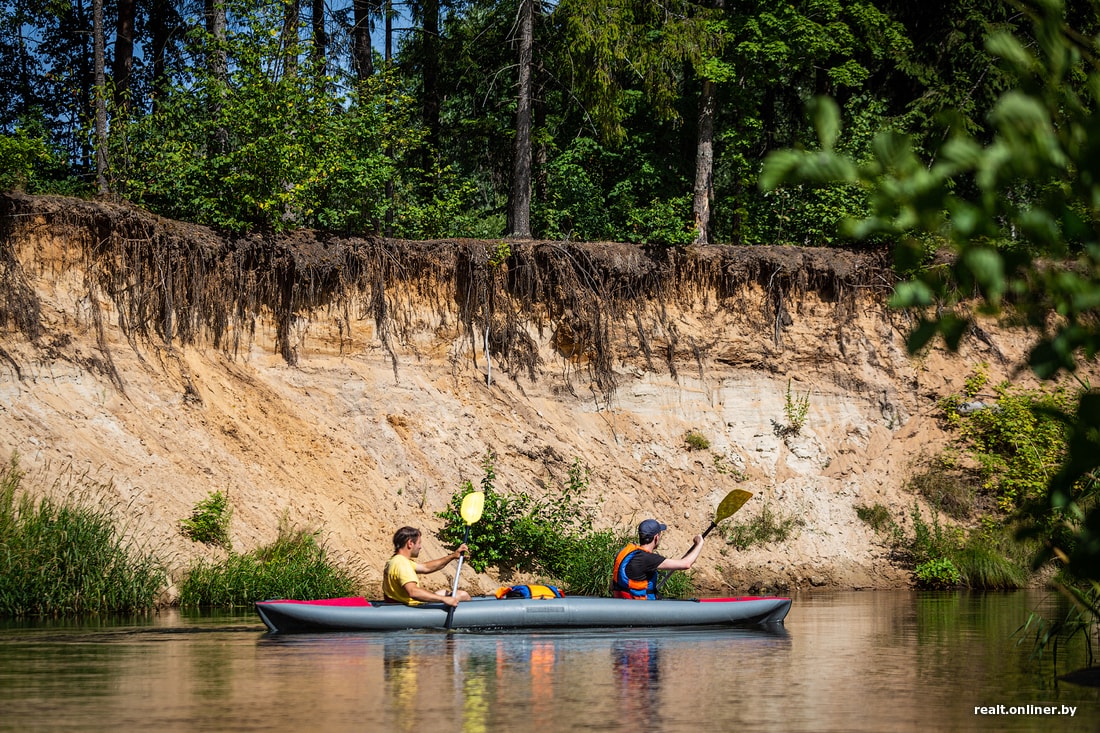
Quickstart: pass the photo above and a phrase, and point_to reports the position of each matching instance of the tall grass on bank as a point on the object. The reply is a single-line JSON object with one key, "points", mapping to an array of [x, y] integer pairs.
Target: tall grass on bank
{"points": [[68, 558], [295, 565]]}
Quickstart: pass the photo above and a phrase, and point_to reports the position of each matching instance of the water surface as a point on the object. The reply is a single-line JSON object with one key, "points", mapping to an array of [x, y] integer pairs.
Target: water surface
{"points": [[851, 661]]}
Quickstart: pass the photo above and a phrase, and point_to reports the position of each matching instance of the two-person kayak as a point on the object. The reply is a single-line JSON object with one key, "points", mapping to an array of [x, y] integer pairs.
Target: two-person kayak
{"points": [[489, 612]]}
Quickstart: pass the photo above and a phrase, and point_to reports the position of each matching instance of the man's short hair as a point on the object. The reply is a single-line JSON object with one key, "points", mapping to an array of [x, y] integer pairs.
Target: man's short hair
{"points": [[402, 536]]}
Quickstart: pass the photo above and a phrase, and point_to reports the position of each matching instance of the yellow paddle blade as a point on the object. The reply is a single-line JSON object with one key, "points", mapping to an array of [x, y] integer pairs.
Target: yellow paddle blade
{"points": [[733, 501], [472, 506]]}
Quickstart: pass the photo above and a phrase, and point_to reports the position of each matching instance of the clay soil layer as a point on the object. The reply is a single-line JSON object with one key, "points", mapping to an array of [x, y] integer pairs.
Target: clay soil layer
{"points": [[344, 384]]}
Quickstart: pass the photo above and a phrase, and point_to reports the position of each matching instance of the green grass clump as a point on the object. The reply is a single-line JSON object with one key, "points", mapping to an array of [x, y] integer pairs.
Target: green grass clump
{"points": [[949, 489], [767, 526], [877, 517], [295, 565], [987, 569], [696, 440], [69, 558]]}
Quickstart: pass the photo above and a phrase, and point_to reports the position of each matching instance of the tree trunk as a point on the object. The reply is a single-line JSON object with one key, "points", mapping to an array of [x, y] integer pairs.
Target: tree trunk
{"points": [[704, 156], [431, 78], [704, 162], [218, 65], [291, 13], [361, 52], [99, 52], [320, 37], [519, 212], [123, 65], [390, 190], [158, 31]]}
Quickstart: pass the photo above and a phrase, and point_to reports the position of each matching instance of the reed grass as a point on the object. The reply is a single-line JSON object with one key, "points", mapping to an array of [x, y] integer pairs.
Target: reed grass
{"points": [[987, 569], [62, 558], [295, 565]]}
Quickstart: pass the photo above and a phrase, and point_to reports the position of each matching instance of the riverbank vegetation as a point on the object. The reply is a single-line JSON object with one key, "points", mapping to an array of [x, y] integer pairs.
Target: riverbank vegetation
{"points": [[67, 556], [1018, 210], [550, 537], [295, 565], [70, 556]]}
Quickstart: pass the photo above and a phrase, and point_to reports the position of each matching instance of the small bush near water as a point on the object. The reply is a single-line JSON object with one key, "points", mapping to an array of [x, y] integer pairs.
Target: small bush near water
{"points": [[552, 537], [943, 557], [295, 565], [68, 558]]}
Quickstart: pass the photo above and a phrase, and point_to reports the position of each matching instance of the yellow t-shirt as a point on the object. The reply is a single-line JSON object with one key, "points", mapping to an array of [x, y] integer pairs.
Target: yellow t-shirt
{"points": [[399, 570]]}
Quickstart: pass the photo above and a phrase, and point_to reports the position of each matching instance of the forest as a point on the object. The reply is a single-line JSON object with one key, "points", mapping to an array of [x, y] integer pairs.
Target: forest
{"points": [[610, 120], [962, 136]]}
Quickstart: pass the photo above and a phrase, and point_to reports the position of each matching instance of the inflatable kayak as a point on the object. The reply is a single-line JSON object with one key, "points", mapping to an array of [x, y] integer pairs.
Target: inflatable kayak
{"points": [[489, 612]]}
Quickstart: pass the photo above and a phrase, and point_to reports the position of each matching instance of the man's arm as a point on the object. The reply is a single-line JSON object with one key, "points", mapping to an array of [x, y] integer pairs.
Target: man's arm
{"points": [[439, 563], [426, 596], [685, 562]]}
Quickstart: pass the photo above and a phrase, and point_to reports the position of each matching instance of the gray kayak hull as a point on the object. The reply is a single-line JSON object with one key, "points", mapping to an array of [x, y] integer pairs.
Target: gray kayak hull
{"points": [[489, 612]]}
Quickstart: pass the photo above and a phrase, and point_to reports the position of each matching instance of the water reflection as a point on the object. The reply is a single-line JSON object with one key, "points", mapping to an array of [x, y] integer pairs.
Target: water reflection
{"points": [[637, 664], [844, 662]]}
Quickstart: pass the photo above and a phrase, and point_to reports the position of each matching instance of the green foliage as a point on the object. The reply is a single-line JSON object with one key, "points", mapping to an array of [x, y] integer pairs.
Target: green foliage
{"points": [[938, 573], [499, 254], [795, 409], [20, 155], [696, 440], [1081, 619], [29, 162], [1017, 440], [69, 558], [552, 537], [877, 517], [1031, 189], [491, 540], [724, 466], [295, 565], [264, 149], [209, 521], [946, 488], [766, 527], [597, 193], [931, 541]]}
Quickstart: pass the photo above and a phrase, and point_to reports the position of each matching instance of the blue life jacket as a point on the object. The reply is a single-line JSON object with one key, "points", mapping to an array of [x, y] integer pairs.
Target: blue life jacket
{"points": [[624, 587], [529, 591]]}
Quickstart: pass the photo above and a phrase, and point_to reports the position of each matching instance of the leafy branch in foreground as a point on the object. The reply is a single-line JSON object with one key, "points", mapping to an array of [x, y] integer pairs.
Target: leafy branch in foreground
{"points": [[1021, 218]]}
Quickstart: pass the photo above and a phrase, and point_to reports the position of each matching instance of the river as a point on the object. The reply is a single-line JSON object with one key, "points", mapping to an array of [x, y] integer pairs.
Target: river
{"points": [[844, 661]]}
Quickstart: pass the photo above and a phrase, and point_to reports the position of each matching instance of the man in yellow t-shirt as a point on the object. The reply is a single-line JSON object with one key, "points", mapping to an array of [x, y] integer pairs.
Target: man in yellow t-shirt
{"points": [[400, 581]]}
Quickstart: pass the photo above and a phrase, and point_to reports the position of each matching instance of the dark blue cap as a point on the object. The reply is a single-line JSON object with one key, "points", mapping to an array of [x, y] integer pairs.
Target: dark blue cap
{"points": [[648, 528]]}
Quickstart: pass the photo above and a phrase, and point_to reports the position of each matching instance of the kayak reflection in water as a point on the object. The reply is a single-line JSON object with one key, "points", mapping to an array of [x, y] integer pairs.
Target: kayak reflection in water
{"points": [[400, 578]]}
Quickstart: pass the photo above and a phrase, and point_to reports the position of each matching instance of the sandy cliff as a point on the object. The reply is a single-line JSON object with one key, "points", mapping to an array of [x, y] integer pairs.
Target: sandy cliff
{"points": [[342, 384]]}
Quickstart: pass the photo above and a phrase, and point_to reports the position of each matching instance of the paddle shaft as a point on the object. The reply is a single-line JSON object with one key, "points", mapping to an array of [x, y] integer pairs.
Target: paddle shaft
{"points": [[733, 501], [454, 589]]}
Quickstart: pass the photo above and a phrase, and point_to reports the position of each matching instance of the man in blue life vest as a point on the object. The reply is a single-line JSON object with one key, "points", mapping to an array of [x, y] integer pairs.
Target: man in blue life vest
{"points": [[636, 566], [400, 578]]}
